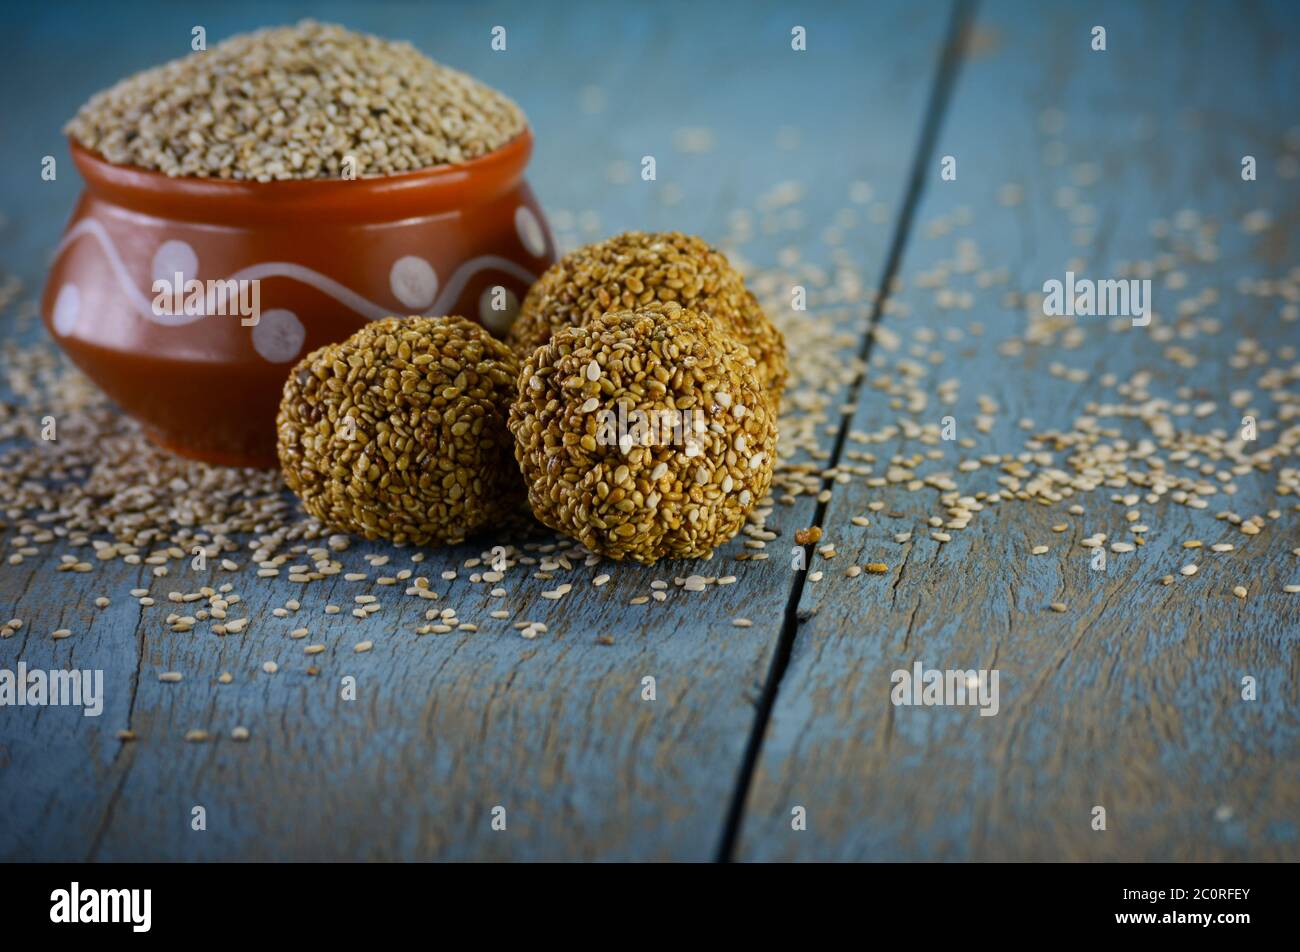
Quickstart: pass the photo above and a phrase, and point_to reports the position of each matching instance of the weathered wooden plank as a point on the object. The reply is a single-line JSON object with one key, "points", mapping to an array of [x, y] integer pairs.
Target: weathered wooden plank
{"points": [[446, 727], [56, 763], [1131, 698]]}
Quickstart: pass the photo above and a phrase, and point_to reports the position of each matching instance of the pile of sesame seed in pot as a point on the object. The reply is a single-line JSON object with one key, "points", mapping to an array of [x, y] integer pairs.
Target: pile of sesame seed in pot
{"points": [[678, 495], [639, 268], [399, 432], [292, 103]]}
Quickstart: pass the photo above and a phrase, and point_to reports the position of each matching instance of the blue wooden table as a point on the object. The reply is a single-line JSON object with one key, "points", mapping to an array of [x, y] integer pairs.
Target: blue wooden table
{"points": [[778, 740]]}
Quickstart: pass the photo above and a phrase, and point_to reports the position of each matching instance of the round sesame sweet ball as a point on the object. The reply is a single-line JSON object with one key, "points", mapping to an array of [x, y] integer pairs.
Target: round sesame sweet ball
{"points": [[399, 432], [639, 268], [644, 434]]}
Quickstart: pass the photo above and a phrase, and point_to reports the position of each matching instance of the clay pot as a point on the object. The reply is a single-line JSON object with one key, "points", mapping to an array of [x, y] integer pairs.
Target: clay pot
{"points": [[319, 258]]}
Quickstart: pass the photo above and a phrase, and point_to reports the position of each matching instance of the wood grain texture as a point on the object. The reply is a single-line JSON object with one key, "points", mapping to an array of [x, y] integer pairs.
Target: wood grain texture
{"points": [[1130, 699], [446, 727]]}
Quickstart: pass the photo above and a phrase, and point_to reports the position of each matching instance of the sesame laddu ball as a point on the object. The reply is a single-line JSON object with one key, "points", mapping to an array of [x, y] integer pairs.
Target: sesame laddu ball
{"points": [[399, 432], [644, 434], [639, 268]]}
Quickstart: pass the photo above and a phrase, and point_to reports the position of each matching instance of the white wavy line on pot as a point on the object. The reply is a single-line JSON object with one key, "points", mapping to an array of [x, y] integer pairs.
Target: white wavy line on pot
{"points": [[326, 285], [345, 296], [286, 269], [472, 267], [89, 226]]}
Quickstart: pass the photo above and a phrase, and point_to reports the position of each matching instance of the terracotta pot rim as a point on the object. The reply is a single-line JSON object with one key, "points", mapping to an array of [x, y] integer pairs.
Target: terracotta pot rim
{"points": [[440, 188]]}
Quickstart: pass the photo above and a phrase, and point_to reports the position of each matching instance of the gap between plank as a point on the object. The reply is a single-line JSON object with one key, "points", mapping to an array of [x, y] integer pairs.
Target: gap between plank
{"points": [[126, 749], [954, 47]]}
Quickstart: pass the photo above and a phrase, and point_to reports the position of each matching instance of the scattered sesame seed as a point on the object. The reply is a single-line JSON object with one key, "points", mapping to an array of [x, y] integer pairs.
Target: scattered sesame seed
{"points": [[808, 536]]}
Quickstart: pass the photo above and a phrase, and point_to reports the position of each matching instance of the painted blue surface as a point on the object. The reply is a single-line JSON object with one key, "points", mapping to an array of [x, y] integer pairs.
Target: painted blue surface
{"points": [[1132, 698], [447, 727]]}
